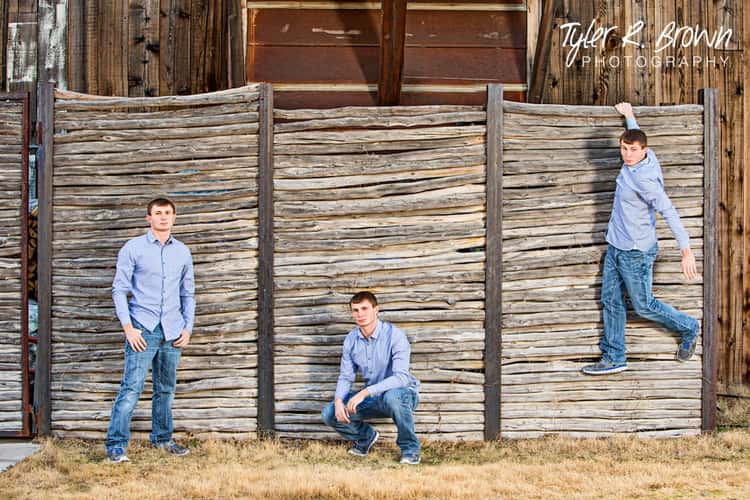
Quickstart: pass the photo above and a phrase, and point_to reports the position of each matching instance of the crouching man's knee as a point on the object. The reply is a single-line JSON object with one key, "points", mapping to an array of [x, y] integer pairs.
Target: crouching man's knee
{"points": [[398, 402]]}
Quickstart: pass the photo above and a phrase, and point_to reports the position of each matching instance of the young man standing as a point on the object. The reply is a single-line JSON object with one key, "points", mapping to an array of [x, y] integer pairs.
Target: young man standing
{"points": [[157, 271], [381, 352], [629, 263]]}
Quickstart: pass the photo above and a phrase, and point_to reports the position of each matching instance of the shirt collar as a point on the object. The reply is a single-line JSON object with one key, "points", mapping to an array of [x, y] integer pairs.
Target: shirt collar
{"points": [[151, 238], [375, 334]]}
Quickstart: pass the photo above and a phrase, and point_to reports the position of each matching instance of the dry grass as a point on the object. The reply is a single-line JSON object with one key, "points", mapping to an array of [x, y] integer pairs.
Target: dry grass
{"points": [[715, 466], [734, 411]]}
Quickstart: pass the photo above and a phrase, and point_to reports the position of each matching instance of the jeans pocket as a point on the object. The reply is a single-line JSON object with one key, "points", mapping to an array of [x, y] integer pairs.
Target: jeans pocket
{"points": [[137, 325]]}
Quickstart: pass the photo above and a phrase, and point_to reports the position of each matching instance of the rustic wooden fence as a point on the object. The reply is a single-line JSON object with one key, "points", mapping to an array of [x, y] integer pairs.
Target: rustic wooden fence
{"points": [[479, 229], [111, 156], [559, 170], [15, 416], [390, 200]]}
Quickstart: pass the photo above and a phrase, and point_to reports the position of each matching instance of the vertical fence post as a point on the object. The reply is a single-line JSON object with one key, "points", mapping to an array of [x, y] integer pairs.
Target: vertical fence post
{"points": [[265, 264], [710, 100], [494, 262], [45, 152]]}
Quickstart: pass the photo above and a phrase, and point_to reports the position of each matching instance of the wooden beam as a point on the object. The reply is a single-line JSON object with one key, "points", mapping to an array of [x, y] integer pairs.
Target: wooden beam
{"points": [[52, 17], [235, 44], [541, 54], [76, 45], [266, 411], [392, 40], [45, 122], [533, 17], [710, 100], [494, 263]]}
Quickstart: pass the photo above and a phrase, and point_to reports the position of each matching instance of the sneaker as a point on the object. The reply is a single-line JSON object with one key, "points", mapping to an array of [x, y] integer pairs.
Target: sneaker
{"points": [[362, 451], [172, 447], [685, 354], [410, 459], [117, 455], [604, 368]]}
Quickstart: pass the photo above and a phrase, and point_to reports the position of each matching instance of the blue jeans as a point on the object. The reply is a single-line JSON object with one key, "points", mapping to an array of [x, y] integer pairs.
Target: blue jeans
{"points": [[398, 404], [633, 270], [163, 359]]}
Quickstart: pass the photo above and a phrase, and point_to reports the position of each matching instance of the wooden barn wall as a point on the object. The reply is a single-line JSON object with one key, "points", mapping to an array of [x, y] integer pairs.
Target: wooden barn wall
{"points": [[123, 48], [12, 310], [605, 84], [390, 200], [325, 54], [18, 30], [559, 171], [111, 156], [154, 47]]}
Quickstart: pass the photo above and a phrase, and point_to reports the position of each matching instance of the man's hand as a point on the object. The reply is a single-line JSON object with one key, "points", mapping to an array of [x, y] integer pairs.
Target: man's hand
{"points": [[688, 264], [342, 415], [182, 340], [351, 405], [625, 109], [135, 339]]}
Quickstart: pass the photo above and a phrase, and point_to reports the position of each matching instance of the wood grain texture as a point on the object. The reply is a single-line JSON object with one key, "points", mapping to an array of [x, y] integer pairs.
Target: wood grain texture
{"points": [[552, 278], [675, 84], [13, 329], [149, 47], [356, 220], [217, 203]]}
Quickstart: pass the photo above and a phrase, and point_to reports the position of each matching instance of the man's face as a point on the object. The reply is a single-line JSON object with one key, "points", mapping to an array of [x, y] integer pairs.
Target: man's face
{"points": [[364, 313], [632, 153], [161, 219]]}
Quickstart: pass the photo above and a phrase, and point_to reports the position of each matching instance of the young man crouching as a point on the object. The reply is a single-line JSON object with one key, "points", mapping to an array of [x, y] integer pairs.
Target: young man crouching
{"points": [[381, 352]]}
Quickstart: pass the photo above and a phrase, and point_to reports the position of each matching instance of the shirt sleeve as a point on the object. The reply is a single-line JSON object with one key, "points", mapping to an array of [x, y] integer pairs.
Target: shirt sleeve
{"points": [[347, 372], [187, 294], [122, 284], [400, 354], [651, 189], [631, 123]]}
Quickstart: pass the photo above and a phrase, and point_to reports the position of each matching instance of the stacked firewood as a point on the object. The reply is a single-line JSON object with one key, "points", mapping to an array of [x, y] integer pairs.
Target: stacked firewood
{"points": [[33, 230]]}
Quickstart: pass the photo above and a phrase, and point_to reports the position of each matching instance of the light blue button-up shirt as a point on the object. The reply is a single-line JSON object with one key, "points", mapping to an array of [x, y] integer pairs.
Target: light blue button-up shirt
{"points": [[640, 191], [383, 360], [160, 281]]}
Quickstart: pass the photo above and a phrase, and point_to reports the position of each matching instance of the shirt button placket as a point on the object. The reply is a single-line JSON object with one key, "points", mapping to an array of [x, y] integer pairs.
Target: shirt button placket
{"points": [[163, 277]]}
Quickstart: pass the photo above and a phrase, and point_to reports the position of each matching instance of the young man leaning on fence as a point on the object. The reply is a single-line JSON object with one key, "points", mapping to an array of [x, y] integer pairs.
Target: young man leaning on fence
{"points": [[157, 271], [381, 351], [629, 263]]}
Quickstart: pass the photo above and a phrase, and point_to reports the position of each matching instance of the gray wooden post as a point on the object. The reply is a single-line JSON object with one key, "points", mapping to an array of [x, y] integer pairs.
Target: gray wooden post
{"points": [[494, 262], [710, 100], [45, 121], [266, 409]]}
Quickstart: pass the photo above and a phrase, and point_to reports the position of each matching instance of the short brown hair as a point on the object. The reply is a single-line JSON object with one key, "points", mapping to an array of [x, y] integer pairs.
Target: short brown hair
{"points": [[634, 135], [159, 202], [360, 297]]}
